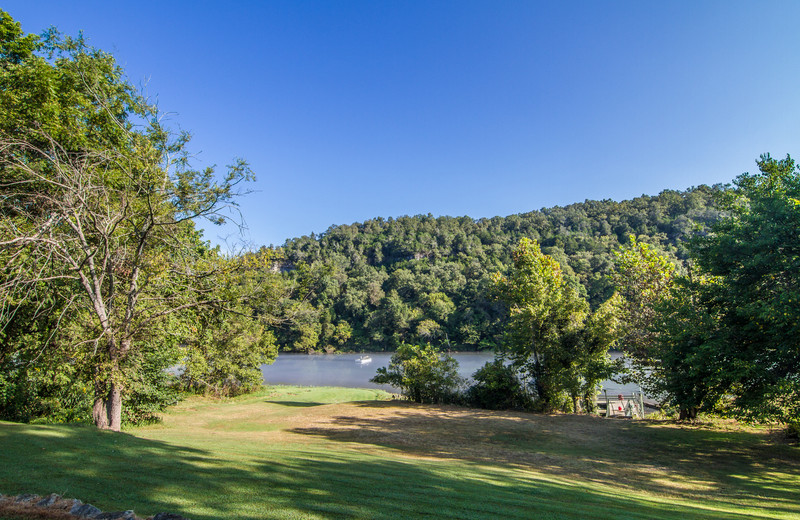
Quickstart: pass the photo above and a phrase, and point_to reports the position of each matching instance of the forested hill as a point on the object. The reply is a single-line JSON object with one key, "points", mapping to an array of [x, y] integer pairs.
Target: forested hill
{"points": [[375, 284]]}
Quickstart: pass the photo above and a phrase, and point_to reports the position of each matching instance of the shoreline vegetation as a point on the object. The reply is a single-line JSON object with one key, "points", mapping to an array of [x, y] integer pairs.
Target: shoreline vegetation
{"points": [[316, 452]]}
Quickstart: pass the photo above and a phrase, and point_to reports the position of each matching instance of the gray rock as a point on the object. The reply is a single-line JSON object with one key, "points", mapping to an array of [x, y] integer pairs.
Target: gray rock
{"points": [[168, 516], [49, 500], [27, 497], [85, 510], [116, 515]]}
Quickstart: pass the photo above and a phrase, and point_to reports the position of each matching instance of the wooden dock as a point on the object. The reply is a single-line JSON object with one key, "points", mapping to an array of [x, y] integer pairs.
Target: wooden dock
{"points": [[625, 405]]}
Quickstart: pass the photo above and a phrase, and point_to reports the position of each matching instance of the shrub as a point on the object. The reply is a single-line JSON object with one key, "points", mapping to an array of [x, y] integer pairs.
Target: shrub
{"points": [[497, 387], [423, 374], [793, 431]]}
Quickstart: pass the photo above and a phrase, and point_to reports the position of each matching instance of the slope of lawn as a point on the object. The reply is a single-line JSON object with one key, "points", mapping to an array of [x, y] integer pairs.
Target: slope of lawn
{"points": [[292, 452]]}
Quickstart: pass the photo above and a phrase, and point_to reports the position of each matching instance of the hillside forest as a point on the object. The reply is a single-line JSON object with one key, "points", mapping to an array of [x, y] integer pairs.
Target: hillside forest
{"points": [[377, 284]]}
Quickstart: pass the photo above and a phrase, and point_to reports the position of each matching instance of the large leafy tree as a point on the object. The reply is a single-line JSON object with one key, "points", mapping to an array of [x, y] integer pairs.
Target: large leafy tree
{"points": [[754, 252], [592, 364], [687, 370], [552, 338], [225, 346], [543, 311], [668, 330], [643, 278], [98, 199]]}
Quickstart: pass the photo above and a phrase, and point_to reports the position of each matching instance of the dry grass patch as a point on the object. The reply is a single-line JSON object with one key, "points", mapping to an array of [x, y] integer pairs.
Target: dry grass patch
{"points": [[660, 458]]}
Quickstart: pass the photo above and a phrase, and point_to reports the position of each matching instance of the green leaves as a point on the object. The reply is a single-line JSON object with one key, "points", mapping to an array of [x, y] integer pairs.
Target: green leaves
{"points": [[422, 373], [421, 257], [755, 254], [642, 278], [97, 194], [551, 336], [730, 328]]}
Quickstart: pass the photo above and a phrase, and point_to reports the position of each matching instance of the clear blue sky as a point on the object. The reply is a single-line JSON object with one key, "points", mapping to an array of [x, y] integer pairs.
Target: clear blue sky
{"points": [[349, 110]]}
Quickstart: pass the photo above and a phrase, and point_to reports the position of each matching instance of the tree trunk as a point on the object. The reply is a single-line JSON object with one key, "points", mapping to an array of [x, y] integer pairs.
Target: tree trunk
{"points": [[542, 394], [115, 408], [100, 407], [589, 402], [107, 408], [100, 411]]}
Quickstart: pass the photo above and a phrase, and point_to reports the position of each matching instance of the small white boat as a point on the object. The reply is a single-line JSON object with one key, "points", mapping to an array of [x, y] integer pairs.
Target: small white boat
{"points": [[363, 360]]}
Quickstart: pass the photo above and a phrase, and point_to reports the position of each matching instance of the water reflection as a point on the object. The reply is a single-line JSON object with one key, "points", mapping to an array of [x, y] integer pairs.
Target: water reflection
{"points": [[355, 371]]}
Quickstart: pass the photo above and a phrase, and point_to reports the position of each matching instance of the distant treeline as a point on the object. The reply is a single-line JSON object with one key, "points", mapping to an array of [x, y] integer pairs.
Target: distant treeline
{"points": [[376, 284]]}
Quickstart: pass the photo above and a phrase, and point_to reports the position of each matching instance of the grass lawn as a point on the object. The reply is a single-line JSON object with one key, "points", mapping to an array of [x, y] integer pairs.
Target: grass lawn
{"points": [[292, 452]]}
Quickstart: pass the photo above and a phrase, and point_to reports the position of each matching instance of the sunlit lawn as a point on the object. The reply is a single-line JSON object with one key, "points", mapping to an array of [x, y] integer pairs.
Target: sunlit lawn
{"points": [[292, 452]]}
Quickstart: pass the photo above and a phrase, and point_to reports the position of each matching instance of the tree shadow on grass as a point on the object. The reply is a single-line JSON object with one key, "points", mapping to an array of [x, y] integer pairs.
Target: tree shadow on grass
{"points": [[110, 470], [715, 467], [121, 471], [339, 487]]}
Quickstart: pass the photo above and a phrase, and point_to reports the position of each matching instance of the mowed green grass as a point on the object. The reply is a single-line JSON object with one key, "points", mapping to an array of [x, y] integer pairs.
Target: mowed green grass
{"points": [[313, 453]]}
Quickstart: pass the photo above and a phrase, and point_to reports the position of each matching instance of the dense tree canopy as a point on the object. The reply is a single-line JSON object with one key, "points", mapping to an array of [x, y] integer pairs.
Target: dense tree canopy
{"points": [[728, 326], [100, 256], [552, 338], [685, 367], [643, 277], [754, 255], [428, 279], [667, 329]]}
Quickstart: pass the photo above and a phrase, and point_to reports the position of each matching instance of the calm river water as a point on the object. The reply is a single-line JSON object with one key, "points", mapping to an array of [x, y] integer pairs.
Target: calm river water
{"points": [[344, 370]]}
